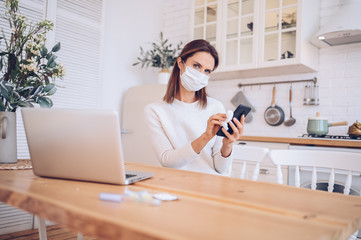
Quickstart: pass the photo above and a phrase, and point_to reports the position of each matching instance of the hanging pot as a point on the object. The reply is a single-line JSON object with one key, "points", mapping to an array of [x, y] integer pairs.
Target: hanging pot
{"points": [[274, 115], [8, 148], [318, 126]]}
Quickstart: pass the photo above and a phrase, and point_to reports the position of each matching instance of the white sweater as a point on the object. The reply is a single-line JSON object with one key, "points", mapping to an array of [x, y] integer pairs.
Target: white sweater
{"points": [[172, 128]]}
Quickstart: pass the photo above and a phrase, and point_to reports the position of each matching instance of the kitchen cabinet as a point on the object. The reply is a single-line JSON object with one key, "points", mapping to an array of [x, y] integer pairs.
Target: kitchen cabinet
{"points": [[205, 19], [268, 171], [258, 37]]}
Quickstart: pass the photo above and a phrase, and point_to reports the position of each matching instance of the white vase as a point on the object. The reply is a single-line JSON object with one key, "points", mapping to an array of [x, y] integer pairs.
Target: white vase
{"points": [[163, 76], [8, 148]]}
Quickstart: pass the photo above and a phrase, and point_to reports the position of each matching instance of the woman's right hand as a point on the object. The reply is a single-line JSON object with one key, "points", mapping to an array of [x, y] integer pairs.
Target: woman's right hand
{"points": [[214, 124]]}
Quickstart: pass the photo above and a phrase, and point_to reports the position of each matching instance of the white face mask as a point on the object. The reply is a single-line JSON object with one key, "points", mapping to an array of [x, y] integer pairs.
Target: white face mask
{"points": [[193, 80]]}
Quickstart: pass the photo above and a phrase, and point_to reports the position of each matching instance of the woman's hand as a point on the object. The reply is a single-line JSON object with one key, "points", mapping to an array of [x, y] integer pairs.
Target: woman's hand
{"points": [[214, 124], [231, 138]]}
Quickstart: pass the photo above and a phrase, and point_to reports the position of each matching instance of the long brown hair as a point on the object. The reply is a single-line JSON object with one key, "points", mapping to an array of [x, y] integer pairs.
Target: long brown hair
{"points": [[189, 50]]}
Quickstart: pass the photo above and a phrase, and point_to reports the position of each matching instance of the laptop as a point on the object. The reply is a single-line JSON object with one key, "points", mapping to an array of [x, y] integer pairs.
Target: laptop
{"points": [[78, 145]]}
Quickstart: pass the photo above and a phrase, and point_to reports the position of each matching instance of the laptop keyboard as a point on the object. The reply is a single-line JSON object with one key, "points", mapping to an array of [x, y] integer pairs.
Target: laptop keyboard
{"points": [[127, 175]]}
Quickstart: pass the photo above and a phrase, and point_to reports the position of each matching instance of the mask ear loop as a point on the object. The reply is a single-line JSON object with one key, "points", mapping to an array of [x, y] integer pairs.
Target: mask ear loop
{"points": [[184, 64]]}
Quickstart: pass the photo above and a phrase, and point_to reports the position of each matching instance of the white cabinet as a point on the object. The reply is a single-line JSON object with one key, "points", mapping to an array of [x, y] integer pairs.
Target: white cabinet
{"points": [[205, 18], [268, 171], [258, 37], [239, 38]]}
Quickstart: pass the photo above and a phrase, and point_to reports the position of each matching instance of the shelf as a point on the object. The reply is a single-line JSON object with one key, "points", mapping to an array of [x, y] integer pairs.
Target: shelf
{"points": [[261, 72]]}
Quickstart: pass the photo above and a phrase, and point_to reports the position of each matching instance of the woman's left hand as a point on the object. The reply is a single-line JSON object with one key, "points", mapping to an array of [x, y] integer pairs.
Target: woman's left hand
{"points": [[231, 138], [237, 131]]}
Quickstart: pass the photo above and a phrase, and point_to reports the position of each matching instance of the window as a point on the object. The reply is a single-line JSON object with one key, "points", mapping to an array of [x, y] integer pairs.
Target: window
{"points": [[78, 27]]}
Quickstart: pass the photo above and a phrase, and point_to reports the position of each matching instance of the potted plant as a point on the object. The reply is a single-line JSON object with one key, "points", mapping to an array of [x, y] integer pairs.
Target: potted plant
{"points": [[162, 55], [27, 73]]}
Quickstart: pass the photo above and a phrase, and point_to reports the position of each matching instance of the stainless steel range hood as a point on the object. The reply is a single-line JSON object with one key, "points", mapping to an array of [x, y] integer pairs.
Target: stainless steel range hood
{"points": [[343, 28]]}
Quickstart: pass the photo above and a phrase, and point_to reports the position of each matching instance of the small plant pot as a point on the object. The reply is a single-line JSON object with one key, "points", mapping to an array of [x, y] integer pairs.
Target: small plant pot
{"points": [[163, 76]]}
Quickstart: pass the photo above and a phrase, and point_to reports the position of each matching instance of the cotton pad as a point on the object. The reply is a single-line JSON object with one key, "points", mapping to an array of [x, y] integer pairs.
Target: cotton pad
{"points": [[229, 115]]}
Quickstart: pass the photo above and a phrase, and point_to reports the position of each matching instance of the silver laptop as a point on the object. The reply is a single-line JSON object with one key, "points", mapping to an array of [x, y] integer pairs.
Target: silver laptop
{"points": [[77, 144]]}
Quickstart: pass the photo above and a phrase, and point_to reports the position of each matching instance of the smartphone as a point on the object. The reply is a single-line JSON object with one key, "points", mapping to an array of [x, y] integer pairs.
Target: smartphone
{"points": [[240, 110]]}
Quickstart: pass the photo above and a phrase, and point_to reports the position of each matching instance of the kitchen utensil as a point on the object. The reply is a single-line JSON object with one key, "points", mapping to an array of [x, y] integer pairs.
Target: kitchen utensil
{"points": [[311, 95], [274, 115], [319, 126], [354, 131], [289, 122]]}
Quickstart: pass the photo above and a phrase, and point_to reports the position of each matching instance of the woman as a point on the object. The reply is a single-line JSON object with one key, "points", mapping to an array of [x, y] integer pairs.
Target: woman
{"points": [[183, 126]]}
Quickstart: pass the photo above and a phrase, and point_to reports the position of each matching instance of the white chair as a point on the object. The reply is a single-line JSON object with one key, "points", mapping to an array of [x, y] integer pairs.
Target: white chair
{"points": [[248, 154], [347, 162]]}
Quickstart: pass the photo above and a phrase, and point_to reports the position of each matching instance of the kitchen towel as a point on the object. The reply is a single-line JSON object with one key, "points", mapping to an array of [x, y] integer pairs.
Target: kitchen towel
{"points": [[240, 98]]}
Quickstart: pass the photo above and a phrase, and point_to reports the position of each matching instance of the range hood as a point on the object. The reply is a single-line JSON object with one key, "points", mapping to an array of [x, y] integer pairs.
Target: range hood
{"points": [[343, 28]]}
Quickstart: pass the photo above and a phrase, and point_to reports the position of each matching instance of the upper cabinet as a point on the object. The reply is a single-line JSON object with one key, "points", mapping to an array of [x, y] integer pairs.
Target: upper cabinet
{"points": [[205, 20], [259, 37], [239, 39]]}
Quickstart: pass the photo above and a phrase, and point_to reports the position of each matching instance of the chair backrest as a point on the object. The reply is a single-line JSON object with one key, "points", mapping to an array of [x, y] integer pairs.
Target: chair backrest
{"points": [[333, 160], [249, 154]]}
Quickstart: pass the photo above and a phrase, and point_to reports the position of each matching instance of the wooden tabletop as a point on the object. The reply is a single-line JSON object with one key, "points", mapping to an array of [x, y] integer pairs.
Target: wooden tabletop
{"points": [[324, 142], [209, 207]]}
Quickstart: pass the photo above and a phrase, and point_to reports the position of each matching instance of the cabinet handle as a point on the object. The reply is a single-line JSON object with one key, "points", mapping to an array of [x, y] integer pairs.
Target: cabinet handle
{"points": [[263, 171], [242, 143]]}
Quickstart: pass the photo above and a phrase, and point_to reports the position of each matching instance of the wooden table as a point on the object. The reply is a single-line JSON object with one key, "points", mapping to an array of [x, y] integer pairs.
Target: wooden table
{"points": [[209, 207]]}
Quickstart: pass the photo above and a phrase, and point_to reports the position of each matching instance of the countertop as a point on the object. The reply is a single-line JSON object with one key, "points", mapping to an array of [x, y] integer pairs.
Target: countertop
{"points": [[306, 141]]}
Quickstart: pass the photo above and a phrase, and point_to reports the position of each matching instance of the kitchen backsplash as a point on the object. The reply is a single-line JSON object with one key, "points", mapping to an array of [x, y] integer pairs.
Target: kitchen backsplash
{"points": [[339, 80]]}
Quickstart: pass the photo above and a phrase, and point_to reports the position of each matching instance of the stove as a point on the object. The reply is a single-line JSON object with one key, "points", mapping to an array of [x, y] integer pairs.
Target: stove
{"points": [[341, 137]]}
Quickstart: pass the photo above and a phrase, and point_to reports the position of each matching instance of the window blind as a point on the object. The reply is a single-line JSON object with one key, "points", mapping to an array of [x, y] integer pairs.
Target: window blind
{"points": [[13, 219], [78, 27], [34, 11]]}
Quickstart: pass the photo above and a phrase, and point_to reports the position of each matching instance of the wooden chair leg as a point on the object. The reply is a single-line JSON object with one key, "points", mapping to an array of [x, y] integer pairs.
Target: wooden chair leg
{"points": [[42, 229]]}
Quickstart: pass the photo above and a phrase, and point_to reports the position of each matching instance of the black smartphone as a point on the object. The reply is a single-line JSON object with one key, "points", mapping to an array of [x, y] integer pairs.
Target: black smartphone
{"points": [[240, 110]]}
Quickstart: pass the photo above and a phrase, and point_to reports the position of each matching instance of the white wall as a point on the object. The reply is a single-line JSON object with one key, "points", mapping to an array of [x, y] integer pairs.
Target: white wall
{"points": [[339, 78], [127, 26]]}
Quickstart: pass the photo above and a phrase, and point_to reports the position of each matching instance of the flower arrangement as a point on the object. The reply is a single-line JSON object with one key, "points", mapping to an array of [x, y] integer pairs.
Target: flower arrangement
{"points": [[163, 55], [27, 69]]}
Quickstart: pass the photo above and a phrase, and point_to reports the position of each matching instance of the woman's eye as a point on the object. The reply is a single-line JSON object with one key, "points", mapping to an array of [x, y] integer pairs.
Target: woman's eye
{"points": [[196, 66], [207, 71]]}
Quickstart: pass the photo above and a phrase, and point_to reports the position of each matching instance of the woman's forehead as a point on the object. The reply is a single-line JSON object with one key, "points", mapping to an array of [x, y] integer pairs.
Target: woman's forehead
{"points": [[204, 58]]}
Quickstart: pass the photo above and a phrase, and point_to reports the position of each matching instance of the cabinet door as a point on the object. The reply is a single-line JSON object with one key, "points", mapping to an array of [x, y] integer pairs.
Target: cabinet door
{"points": [[279, 32], [205, 18], [239, 33], [251, 34]]}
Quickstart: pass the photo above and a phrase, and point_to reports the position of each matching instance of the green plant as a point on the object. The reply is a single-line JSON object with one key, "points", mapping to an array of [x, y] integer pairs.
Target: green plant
{"points": [[163, 55], [27, 69]]}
